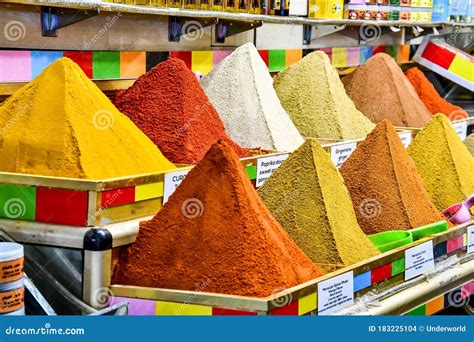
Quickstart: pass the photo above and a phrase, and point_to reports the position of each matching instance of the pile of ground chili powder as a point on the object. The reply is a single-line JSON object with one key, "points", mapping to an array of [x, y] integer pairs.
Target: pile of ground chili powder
{"points": [[430, 97], [170, 107], [216, 234]]}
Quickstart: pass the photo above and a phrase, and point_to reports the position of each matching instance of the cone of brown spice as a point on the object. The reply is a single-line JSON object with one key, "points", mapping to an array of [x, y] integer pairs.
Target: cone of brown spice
{"points": [[381, 91], [387, 191], [215, 230]]}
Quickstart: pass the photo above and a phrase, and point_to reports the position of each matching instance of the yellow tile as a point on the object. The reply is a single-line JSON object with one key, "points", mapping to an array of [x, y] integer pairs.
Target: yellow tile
{"points": [[435, 305], [147, 191], [179, 309], [307, 304], [201, 61], [463, 68], [339, 57]]}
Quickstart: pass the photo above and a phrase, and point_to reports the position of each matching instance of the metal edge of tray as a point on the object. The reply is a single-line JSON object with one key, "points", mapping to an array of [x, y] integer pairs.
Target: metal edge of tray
{"points": [[403, 302], [190, 297], [271, 302], [108, 85], [415, 130], [328, 143], [105, 184], [122, 233], [137, 9]]}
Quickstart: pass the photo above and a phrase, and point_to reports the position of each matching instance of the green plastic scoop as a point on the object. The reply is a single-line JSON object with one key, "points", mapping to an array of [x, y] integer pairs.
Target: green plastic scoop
{"points": [[386, 241]]}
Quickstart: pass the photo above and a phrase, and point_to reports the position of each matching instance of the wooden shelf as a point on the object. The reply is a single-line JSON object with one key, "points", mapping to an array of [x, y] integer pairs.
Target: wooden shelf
{"points": [[244, 17]]}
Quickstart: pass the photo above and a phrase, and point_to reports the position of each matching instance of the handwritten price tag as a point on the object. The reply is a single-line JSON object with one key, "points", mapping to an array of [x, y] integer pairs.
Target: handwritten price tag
{"points": [[266, 166], [460, 128], [336, 293], [172, 180], [405, 137], [470, 239], [340, 153], [418, 260]]}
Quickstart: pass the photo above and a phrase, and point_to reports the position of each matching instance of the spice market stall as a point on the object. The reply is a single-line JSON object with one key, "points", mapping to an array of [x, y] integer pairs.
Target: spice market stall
{"points": [[211, 159]]}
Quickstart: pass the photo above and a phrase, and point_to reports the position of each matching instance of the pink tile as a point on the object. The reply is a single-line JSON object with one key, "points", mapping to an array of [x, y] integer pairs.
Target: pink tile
{"points": [[455, 243], [353, 56], [16, 66], [468, 289], [218, 56], [136, 306]]}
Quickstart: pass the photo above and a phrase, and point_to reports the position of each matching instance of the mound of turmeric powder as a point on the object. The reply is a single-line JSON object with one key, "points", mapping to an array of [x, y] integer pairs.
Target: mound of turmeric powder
{"points": [[62, 125]]}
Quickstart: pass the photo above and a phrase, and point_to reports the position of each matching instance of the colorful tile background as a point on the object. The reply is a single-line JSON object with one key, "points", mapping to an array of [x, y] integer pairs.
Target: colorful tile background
{"points": [[20, 66]]}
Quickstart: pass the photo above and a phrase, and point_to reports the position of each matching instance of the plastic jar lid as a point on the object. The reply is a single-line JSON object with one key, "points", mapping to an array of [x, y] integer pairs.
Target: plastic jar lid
{"points": [[13, 285], [10, 251], [20, 312]]}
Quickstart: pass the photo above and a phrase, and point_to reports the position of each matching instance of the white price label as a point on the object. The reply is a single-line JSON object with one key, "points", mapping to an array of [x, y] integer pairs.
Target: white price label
{"points": [[172, 180], [418, 260], [461, 129], [405, 137], [340, 153], [470, 239], [336, 293], [266, 166]]}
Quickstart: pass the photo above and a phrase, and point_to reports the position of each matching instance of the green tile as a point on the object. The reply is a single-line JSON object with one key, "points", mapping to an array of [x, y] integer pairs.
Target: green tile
{"points": [[17, 202], [419, 311], [105, 64], [276, 60], [251, 172], [398, 266], [392, 50]]}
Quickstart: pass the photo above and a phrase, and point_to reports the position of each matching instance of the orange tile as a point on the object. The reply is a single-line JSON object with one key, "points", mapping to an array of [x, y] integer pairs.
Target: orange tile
{"points": [[435, 305], [293, 56], [403, 53], [132, 64]]}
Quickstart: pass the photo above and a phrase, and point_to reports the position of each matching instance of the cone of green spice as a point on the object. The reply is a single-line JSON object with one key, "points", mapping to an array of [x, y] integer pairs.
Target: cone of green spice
{"points": [[306, 194]]}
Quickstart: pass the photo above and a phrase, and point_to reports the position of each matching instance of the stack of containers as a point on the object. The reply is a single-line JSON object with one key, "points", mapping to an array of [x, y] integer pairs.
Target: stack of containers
{"points": [[11, 279]]}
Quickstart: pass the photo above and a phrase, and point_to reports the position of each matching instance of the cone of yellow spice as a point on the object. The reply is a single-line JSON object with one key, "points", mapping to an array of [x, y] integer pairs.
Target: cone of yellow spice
{"points": [[444, 163], [62, 125]]}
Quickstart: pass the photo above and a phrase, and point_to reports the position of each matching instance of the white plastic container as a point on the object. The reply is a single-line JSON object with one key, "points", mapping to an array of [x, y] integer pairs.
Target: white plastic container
{"points": [[11, 262], [11, 279]]}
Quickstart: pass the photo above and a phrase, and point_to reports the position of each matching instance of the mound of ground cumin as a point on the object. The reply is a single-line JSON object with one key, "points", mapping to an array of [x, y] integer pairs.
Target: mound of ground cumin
{"points": [[381, 91], [387, 191], [314, 97], [215, 232], [444, 163], [169, 105], [306, 194], [430, 97]]}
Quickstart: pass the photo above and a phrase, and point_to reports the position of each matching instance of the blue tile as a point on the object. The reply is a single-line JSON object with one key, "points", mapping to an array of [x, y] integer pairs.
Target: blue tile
{"points": [[362, 281], [41, 59], [365, 53], [440, 249]]}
